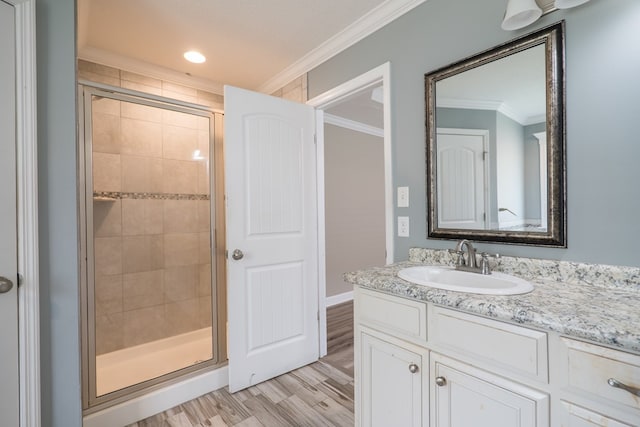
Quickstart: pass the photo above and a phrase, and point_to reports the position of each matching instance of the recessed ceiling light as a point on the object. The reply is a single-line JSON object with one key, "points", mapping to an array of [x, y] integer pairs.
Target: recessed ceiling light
{"points": [[195, 57]]}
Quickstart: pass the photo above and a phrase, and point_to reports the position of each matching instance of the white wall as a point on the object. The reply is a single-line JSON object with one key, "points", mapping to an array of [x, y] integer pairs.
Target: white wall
{"points": [[510, 169], [354, 204]]}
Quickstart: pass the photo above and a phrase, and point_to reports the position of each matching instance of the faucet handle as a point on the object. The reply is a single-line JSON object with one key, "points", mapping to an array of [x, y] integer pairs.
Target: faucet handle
{"points": [[460, 259], [484, 262], [488, 255]]}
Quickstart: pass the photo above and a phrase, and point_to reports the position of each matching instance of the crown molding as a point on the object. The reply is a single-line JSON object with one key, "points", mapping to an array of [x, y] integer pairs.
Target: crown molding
{"points": [[366, 25], [501, 107], [137, 66], [353, 125]]}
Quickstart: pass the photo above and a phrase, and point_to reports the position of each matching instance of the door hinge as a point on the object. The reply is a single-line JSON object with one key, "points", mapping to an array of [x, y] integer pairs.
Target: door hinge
{"points": [[315, 139]]}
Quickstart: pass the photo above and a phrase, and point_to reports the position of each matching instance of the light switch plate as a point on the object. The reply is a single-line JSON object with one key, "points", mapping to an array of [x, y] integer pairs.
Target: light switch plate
{"points": [[403, 197], [403, 226]]}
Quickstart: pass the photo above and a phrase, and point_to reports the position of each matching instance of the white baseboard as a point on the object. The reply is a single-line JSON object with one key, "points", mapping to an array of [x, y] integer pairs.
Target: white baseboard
{"points": [[158, 401], [339, 299]]}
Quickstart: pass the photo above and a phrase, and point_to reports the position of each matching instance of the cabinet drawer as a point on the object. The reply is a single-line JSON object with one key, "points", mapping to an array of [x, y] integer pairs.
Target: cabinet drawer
{"points": [[591, 366], [576, 416], [500, 346], [398, 316]]}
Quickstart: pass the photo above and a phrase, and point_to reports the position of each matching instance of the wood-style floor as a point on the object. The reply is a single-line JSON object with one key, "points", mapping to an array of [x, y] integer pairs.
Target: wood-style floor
{"points": [[319, 394]]}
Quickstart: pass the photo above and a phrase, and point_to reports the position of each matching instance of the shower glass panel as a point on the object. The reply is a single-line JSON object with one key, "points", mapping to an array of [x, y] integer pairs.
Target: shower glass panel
{"points": [[149, 263]]}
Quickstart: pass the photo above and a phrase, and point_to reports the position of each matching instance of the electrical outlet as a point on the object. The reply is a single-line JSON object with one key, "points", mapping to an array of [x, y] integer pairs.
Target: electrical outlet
{"points": [[403, 226], [403, 197]]}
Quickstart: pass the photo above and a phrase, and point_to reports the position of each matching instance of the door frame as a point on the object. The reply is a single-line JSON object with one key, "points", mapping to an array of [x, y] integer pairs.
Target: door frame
{"points": [[324, 101], [27, 191]]}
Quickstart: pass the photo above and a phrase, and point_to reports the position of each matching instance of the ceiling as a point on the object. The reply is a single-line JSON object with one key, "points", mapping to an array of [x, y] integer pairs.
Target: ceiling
{"points": [[255, 44]]}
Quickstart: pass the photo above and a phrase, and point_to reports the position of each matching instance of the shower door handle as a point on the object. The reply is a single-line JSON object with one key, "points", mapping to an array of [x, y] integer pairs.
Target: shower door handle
{"points": [[237, 254], [5, 285]]}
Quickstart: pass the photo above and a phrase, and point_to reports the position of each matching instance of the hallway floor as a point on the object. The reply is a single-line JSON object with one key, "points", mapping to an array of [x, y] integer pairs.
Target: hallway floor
{"points": [[319, 394]]}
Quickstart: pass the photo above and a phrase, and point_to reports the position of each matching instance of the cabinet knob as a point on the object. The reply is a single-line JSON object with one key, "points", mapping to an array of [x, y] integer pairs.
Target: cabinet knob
{"points": [[5, 285], [441, 381], [413, 368]]}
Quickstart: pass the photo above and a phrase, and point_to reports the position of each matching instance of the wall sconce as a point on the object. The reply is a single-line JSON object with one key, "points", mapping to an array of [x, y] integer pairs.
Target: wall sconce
{"points": [[567, 4], [520, 13]]}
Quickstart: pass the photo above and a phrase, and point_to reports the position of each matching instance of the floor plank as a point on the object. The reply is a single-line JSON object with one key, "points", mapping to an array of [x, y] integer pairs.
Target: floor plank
{"points": [[317, 395]]}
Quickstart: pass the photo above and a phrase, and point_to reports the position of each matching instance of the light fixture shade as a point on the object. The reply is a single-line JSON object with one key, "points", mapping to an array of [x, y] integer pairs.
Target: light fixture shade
{"points": [[566, 4], [520, 13]]}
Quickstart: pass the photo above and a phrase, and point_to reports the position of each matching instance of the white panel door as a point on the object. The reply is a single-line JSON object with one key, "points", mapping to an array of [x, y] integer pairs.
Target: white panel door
{"points": [[461, 179], [8, 224], [272, 241]]}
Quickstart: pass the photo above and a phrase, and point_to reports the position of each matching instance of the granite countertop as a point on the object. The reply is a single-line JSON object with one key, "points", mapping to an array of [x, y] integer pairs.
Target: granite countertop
{"points": [[605, 313]]}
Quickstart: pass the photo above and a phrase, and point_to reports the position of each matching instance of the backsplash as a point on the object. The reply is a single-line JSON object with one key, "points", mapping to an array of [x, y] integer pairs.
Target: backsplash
{"points": [[531, 268]]}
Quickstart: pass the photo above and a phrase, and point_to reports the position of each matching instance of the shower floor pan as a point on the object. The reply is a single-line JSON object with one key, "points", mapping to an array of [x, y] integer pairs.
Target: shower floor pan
{"points": [[133, 365]]}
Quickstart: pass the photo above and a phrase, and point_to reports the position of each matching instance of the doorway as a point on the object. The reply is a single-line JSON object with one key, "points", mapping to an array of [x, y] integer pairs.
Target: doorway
{"points": [[356, 119], [152, 289]]}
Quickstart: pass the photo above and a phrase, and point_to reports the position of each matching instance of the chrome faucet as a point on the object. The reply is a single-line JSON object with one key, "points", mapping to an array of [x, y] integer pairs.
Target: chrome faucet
{"points": [[470, 263]]}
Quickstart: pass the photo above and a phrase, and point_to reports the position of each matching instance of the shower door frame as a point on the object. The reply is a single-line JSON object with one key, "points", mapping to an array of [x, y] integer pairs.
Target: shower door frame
{"points": [[86, 90]]}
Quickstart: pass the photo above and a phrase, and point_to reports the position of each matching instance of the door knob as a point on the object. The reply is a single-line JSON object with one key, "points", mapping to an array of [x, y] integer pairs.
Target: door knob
{"points": [[237, 254], [5, 285], [441, 381], [413, 368]]}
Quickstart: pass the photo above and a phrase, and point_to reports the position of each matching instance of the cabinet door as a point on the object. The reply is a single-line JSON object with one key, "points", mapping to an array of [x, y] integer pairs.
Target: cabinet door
{"points": [[393, 382], [464, 396]]}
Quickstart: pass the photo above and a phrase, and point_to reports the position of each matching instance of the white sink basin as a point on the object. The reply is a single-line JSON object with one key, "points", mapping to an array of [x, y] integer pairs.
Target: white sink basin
{"points": [[449, 278]]}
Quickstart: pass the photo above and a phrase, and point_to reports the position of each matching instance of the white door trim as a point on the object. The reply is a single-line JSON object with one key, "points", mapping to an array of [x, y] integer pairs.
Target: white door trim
{"points": [[27, 181], [380, 74]]}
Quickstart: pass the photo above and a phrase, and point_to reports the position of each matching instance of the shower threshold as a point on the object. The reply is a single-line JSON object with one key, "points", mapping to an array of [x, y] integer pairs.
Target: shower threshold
{"points": [[123, 368]]}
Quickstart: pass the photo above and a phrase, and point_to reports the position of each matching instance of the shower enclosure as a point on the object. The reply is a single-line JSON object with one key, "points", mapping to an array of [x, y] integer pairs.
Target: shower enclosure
{"points": [[153, 295]]}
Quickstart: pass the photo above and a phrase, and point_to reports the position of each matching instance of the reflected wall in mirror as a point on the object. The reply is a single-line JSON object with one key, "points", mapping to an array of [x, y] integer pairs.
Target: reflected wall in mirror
{"points": [[495, 144]]}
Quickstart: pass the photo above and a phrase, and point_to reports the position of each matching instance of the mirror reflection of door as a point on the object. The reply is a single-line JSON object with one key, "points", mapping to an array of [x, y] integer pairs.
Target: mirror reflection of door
{"points": [[462, 178]]}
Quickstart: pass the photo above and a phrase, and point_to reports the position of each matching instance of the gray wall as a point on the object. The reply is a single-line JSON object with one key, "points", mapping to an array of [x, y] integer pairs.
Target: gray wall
{"points": [[602, 65], [60, 360], [354, 204]]}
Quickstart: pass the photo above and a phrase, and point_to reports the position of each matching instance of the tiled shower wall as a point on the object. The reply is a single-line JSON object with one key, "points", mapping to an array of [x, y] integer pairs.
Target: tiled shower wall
{"points": [[152, 256], [152, 233]]}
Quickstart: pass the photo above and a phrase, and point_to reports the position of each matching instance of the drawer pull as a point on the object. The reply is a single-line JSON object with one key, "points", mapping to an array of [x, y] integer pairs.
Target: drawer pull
{"points": [[413, 368], [441, 381], [617, 384]]}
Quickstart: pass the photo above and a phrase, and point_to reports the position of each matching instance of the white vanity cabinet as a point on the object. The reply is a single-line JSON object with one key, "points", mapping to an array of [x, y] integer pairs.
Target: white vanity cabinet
{"points": [[397, 386], [418, 364]]}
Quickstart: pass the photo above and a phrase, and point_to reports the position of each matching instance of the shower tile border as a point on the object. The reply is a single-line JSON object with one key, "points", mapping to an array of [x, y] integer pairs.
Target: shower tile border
{"points": [[119, 195]]}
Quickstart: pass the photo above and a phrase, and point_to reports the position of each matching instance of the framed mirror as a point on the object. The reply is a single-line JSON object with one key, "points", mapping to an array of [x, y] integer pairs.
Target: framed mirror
{"points": [[496, 144]]}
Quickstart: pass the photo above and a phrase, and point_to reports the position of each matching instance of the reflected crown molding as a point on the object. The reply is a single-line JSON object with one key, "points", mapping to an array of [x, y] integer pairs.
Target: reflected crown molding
{"points": [[353, 125], [502, 107]]}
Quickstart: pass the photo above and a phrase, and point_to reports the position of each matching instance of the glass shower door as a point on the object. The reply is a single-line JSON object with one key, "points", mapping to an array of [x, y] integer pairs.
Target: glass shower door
{"points": [[149, 237]]}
